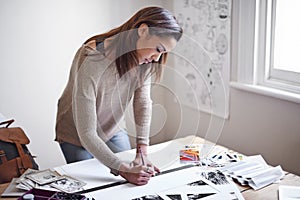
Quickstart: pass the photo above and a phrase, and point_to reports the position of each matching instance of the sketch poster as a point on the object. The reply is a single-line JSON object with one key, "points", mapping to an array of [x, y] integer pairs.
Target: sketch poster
{"points": [[202, 57]]}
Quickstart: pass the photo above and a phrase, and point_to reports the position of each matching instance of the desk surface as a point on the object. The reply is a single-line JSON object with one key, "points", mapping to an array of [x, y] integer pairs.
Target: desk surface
{"points": [[267, 193]]}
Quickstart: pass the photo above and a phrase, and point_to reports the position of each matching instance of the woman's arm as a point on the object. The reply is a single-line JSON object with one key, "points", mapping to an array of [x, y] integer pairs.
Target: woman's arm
{"points": [[142, 108], [85, 114]]}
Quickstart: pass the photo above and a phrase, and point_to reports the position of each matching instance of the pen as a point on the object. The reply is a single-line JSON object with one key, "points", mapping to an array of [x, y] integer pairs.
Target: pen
{"points": [[142, 156]]}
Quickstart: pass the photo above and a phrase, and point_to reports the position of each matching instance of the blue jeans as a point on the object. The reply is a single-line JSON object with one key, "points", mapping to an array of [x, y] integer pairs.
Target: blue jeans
{"points": [[72, 153]]}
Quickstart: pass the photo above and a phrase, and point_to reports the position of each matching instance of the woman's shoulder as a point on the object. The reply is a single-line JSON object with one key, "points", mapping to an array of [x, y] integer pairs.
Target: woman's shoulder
{"points": [[92, 57], [93, 47], [91, 44]]}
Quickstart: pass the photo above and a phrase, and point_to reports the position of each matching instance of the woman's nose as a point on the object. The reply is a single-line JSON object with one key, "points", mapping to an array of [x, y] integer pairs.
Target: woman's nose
{"points": [[156, 57]]}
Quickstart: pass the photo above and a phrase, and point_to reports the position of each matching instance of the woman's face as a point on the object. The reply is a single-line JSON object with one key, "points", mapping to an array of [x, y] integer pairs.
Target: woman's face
{"points": [[150, 47]]}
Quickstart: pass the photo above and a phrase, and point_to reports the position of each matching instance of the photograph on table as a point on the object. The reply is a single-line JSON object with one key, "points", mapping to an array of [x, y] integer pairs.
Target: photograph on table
{"points": [[44, 177], [68, 184]]}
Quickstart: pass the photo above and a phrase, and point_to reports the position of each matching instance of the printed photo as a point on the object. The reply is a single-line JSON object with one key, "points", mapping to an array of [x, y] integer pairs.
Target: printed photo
{"points": [[216, 177], [198, 196], [68, 184], [174, 196], [44, 177], [149, 197], [26, 173], [197, 183]]}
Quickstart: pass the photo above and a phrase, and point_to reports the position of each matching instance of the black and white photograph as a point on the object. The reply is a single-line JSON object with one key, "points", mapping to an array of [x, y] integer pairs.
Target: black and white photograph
{"points": [[197, 183], [197, 189], [149, 197], [44, 177], [174, 196], [198, 196], [216, 177], [26, 173], [68, 184]]}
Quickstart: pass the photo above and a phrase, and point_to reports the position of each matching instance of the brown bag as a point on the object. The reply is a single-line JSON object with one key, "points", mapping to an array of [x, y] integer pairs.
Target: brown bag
{"points": [[15, 157]]}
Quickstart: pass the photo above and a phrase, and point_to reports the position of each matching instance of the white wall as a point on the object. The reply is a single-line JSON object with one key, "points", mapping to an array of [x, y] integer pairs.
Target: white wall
{"points": [[38, 41]]}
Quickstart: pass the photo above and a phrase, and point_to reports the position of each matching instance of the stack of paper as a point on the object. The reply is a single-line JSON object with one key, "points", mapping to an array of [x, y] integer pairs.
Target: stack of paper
{"points": [[47, 180], [254, 172]]}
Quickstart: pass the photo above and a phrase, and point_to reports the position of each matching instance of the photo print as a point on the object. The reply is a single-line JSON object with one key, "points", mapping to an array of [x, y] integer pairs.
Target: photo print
{"points": [[68, 184], [216, 177], [175, 196], [198, 196], [199, 189], [44, 177], [197, 183], [149, 197]]}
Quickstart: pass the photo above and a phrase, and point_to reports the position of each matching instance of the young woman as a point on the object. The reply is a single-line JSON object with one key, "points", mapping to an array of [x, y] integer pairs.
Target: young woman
{"points": [[109, 71]]}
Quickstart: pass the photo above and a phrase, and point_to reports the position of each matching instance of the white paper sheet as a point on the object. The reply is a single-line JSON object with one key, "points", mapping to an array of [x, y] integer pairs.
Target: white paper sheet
{"points": [[171, 182], [287, 192], [92, 172], [12, 191]]}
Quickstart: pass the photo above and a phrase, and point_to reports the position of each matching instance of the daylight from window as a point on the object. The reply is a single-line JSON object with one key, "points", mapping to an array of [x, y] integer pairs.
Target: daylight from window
{"points": [[287, 36]]}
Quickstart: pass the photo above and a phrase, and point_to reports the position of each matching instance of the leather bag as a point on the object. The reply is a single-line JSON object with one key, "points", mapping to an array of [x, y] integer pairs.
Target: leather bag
{"points": [[15, 157]]}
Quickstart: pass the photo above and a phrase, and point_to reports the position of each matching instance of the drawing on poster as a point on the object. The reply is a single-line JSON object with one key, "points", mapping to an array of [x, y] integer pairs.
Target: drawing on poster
{"points": [[203, 184], [190, 191], [202, 57]]}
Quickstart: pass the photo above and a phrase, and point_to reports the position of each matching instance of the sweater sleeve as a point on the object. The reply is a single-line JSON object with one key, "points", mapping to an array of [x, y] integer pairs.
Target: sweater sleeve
{"points": [[85, 115], [142, 108]]}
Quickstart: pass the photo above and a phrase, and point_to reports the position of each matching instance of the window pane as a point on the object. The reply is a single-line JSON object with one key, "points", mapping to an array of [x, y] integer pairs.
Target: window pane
{"points": [[287, 36]]}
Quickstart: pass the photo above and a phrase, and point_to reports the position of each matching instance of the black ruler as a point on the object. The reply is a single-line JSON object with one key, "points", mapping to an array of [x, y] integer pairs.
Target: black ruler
{"points": [[124, 182]]}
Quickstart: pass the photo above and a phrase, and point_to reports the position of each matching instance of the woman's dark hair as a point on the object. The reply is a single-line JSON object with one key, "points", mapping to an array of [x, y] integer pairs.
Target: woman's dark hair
{"points": [[161, 23]]}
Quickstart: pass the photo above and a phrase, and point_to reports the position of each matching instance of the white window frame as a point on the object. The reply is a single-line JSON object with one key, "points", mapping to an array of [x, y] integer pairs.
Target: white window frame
{"points": [[269, 76], [251, 25]]}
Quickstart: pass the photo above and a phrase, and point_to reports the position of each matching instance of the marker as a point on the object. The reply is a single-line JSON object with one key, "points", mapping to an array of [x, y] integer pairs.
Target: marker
{"points": [[229, 156]]}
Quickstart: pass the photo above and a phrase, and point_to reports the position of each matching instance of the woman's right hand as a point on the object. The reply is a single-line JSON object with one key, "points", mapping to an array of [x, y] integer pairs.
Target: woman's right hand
{"points": [[138, 175]]}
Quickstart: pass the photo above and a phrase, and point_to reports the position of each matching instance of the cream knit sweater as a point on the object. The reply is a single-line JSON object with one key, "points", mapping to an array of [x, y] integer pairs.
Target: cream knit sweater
{"points": [[91, 108]]}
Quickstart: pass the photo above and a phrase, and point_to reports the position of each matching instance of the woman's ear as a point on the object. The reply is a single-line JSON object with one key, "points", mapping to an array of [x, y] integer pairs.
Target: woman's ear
{"points": [[143, 30]]}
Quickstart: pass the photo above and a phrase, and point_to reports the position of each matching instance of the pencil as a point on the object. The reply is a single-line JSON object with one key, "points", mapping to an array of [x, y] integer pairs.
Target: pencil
{"points": [[143, 162]]}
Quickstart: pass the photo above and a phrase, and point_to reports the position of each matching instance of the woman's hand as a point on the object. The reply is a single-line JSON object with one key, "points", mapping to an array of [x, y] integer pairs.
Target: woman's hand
{"points": [[138, 174], [141, 159]]}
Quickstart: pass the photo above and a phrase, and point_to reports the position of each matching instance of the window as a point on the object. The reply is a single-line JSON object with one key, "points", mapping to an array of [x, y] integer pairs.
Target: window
{"points": [[268, 42], [278, 23]]}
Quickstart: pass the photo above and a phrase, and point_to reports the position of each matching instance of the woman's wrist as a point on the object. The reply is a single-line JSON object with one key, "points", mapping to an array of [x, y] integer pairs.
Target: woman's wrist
{"points": [[142, 148], [124, 168]]}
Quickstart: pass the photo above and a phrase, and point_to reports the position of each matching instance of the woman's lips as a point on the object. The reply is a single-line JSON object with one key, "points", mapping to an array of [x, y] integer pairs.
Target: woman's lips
{"points": [[147, 61]]}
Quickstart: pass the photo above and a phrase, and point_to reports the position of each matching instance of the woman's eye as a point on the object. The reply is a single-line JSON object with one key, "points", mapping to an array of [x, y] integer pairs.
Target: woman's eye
{"points": [[159, 50]]}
